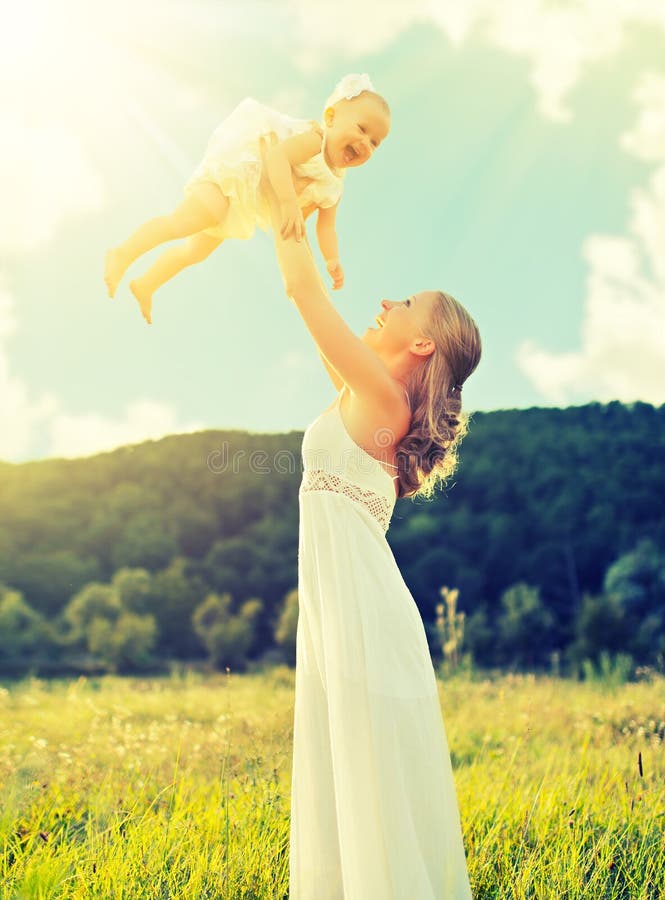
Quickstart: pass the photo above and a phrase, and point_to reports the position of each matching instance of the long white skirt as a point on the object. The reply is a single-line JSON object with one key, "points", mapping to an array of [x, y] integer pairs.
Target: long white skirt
{"points": [[374, 813]]}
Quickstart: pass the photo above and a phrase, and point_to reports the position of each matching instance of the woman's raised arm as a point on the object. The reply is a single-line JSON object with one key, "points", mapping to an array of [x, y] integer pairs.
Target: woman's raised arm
{"points": [[360, 368]]}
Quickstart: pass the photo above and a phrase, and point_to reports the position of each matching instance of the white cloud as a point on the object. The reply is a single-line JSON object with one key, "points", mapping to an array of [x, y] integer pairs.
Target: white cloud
{"points": [[647, 139], [25, 419], [81, 435], [349, 28], [21, 416], [623, 334], [293, 98], [67, 77], [8, 323], [46, 174], [45, 178], [560, 41], [622, 349]]}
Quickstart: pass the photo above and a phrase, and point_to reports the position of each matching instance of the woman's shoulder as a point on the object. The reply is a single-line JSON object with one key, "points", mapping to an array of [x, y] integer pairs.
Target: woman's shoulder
{"points": [[387, 419]]}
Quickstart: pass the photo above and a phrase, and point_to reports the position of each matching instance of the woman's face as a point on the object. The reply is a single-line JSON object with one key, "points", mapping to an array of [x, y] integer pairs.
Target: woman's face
{"points": [[400, 323]]}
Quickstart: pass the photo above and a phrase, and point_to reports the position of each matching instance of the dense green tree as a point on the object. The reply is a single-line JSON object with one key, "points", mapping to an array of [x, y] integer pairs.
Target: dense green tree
{"points": [[637, 581], [176, 591], [94, 601], [524, 627], [232, 564], [195, 528], [480, 637], [600, 628], [117, 503], [287, 626], [546, 497], [134, 588], [125, 644], [114, 637], [23, 632], [226, 635], [146, 540], [638, 578], [47, 579]]}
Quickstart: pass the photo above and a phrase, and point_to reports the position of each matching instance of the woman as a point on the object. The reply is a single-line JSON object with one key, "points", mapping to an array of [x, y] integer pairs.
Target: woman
{"points": [[374, 814]]}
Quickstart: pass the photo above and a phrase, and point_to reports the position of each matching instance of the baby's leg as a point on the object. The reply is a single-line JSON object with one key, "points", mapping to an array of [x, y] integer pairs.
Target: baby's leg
{"points": [[203, 208], [193, 250]]}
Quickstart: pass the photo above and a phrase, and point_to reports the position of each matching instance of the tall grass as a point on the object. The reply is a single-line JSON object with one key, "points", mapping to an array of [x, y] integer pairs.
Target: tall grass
{"points": [[179, 787]]}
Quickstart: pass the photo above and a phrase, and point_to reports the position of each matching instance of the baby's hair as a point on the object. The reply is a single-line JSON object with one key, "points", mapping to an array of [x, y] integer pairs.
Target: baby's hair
{"points": [[383, 103]]}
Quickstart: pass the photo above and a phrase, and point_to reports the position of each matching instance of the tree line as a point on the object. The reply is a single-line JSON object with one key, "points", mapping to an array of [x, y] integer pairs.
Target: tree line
{"points": [[552, 533]]}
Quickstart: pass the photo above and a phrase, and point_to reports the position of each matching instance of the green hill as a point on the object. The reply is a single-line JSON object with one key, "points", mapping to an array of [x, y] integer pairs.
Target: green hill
{"points": [[550, 497]]}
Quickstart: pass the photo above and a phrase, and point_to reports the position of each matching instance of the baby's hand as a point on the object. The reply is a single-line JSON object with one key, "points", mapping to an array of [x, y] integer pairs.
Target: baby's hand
{"points": [[336, 272], [292, 220]]}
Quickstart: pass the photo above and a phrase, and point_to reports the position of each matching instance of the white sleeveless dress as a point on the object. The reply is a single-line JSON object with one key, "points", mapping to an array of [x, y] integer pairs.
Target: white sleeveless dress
{"points": [[374, 813], [232, 161]]}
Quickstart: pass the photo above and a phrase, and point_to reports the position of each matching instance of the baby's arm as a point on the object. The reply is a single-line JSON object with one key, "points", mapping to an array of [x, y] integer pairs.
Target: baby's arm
{"points": [[327, 238], [279, 160]]}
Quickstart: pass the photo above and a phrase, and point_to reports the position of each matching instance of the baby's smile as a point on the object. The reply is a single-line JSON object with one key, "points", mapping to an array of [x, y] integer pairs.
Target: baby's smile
{"points": [[349, 154]]}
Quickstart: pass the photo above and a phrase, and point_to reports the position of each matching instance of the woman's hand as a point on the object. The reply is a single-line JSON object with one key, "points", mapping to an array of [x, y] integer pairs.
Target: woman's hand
{"points": [[336, 272]]}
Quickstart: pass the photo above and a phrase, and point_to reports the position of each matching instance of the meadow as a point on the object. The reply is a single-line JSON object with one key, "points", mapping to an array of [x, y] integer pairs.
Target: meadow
{"points": [[178, 787]]}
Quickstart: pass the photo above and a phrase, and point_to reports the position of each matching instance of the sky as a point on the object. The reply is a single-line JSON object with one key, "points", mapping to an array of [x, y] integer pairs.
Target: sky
{"points": [[524, 173]]}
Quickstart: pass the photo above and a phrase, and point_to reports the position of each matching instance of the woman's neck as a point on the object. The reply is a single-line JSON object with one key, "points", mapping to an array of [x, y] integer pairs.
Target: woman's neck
{"points": [[401, 366]]}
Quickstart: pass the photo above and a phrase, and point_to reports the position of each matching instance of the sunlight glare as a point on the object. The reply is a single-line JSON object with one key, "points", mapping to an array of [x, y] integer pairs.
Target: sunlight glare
{"points": [[84, 68], [22, 35]]}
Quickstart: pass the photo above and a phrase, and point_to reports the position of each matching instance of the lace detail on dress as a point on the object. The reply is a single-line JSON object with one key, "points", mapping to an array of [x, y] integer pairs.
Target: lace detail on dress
{"points": [[319, 480]]}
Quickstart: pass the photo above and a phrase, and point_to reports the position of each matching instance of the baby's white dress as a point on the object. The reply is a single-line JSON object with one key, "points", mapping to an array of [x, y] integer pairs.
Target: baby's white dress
{"points": [[374, 812], [232, 161]]}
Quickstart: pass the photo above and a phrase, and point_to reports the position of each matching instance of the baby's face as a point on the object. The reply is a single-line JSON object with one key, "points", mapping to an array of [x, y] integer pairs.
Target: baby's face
{"points": [[354, 129]]}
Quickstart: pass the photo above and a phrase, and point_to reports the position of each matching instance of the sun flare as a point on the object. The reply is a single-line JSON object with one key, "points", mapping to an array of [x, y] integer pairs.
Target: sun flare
{"points": [[85, 87], [88, 68]]}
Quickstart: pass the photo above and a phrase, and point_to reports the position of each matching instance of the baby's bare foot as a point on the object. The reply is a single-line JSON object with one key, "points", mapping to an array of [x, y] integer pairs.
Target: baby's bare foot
{"points": [[117, 264], [144, 298]]}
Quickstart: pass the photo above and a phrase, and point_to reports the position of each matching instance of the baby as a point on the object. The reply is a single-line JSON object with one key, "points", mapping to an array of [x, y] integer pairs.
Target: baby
{"points": [[223, 199]]}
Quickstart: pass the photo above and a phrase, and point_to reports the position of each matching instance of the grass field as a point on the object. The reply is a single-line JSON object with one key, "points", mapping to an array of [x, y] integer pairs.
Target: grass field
{"points": [[179, 787]]}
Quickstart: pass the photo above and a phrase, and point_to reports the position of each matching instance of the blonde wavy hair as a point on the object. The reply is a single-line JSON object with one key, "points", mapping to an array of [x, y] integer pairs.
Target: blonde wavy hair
{"points": [[427, 454]]}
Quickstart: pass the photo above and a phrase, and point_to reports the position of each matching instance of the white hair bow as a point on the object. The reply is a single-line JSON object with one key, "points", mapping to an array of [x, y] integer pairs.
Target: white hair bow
{"points": [[350, 86]]}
